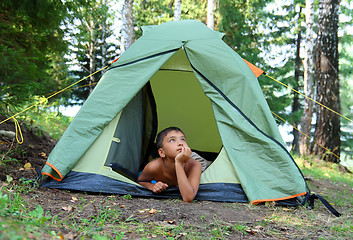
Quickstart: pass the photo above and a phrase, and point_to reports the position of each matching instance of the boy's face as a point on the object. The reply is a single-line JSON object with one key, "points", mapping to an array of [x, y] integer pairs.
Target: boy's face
{"points": [[172, 144]]}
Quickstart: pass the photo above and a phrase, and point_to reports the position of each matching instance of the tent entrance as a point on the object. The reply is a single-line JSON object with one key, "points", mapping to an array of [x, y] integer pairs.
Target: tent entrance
{"points": [[134, 135], [172, 97], [180, 101]]}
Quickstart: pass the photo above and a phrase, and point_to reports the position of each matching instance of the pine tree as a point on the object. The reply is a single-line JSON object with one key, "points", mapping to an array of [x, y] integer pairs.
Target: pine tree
{"points": [[31, 45], [177, 10], [309, 74], [127, 32], [210, 14], [327, 131], [91, 48]]}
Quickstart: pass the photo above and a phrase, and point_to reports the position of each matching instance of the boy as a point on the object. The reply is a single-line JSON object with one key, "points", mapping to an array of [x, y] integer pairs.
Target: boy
{"points": [[175, 167]]}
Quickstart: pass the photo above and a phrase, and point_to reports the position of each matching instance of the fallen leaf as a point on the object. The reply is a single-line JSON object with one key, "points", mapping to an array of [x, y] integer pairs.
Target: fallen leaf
{"points": [[122, 206], [74, 199], [70, 235], [43, 154], [68, 208], [153, 211], [143, 210], [256, 229], [170, 222], [286, 209], [181, 234], [27, 165], [250, 231]]}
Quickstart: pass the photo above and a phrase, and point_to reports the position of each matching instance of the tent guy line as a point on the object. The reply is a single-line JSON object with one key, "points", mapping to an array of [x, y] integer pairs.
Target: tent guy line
{"points": [[322, 105], [328, 150]]}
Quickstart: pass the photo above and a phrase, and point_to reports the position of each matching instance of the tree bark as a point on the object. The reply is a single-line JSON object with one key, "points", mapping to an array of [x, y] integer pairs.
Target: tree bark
{"points": [[210, 14], [104, 39], [309, 76], [177, 10], [295, 104], [327, 131], [127, 31], [92, 54]]}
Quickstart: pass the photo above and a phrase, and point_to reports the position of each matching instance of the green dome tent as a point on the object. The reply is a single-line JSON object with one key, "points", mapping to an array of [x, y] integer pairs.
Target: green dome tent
{"points": [[181, 74]]}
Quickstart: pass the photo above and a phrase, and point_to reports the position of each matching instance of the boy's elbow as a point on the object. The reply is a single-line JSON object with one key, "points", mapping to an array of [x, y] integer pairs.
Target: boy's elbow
{"points": [[188, 199]]}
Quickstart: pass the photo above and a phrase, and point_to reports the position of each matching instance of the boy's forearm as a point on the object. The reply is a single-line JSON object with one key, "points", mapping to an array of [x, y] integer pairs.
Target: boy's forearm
{"points": [[148, 185], [187, 191]]}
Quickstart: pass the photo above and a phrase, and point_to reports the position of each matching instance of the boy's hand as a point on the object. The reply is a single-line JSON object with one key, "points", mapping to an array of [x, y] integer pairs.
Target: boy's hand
{"points": [[159, 187], [184, 156]]}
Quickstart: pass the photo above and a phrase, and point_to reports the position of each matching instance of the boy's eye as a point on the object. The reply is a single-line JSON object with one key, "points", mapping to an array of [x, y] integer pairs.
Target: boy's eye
{"points": [[171, 140], [183, 139]]}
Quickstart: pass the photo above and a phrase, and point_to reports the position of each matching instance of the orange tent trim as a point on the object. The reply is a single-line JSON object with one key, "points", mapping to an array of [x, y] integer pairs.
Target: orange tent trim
{"points": [[257, 71], [56, 170], [255, 202]]}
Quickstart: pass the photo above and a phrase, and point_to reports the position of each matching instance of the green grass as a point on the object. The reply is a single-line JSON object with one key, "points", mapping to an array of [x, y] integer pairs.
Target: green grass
{"points": [[16, 220], [19, 221], [324, 171]]}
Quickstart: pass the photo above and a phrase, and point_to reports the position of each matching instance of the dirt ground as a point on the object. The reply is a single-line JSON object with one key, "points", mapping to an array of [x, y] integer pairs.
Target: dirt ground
{"points": [[199, 216]]}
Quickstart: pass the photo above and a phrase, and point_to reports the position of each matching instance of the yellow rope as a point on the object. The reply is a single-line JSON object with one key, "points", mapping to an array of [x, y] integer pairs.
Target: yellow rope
{"points": [[44, 99], [309, 98], [18, 130], [52, 95], [64, 89], [306, 136], [86, 85]]}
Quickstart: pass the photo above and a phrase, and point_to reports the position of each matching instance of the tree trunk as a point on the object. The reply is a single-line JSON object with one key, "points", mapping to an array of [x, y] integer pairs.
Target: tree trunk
{"points": [[177, 10], [92, 54], [327, 131], [104, 40], [210, 14], [127, 31], [309, 75], [295, 104]]}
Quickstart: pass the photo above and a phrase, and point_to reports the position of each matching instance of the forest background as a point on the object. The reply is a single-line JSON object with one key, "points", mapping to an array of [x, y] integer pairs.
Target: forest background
{"points": [[46, 46]]}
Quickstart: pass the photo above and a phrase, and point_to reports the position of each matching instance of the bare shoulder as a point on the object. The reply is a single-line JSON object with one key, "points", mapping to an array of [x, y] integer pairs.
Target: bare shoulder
{"points": [[154, 165], [193, 164], [151, 170]]}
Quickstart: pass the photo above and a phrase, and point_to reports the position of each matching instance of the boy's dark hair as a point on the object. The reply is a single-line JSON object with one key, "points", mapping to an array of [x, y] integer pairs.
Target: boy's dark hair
{"points": [[163, 133]]}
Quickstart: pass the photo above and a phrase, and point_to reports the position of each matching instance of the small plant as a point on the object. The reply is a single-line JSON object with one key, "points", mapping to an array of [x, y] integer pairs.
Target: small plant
{"points": [[241, 228], [38, 215], [28, 184], [4, 202], [5, 160], [127, 197]]}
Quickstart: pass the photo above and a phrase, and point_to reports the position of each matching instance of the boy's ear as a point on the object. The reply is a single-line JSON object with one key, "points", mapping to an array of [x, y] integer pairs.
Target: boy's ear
{"points": [[161, 153]]}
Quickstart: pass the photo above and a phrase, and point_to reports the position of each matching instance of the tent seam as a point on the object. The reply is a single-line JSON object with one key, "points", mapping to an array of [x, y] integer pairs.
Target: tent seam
{"points": [[243, 114], [145, 58]]}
